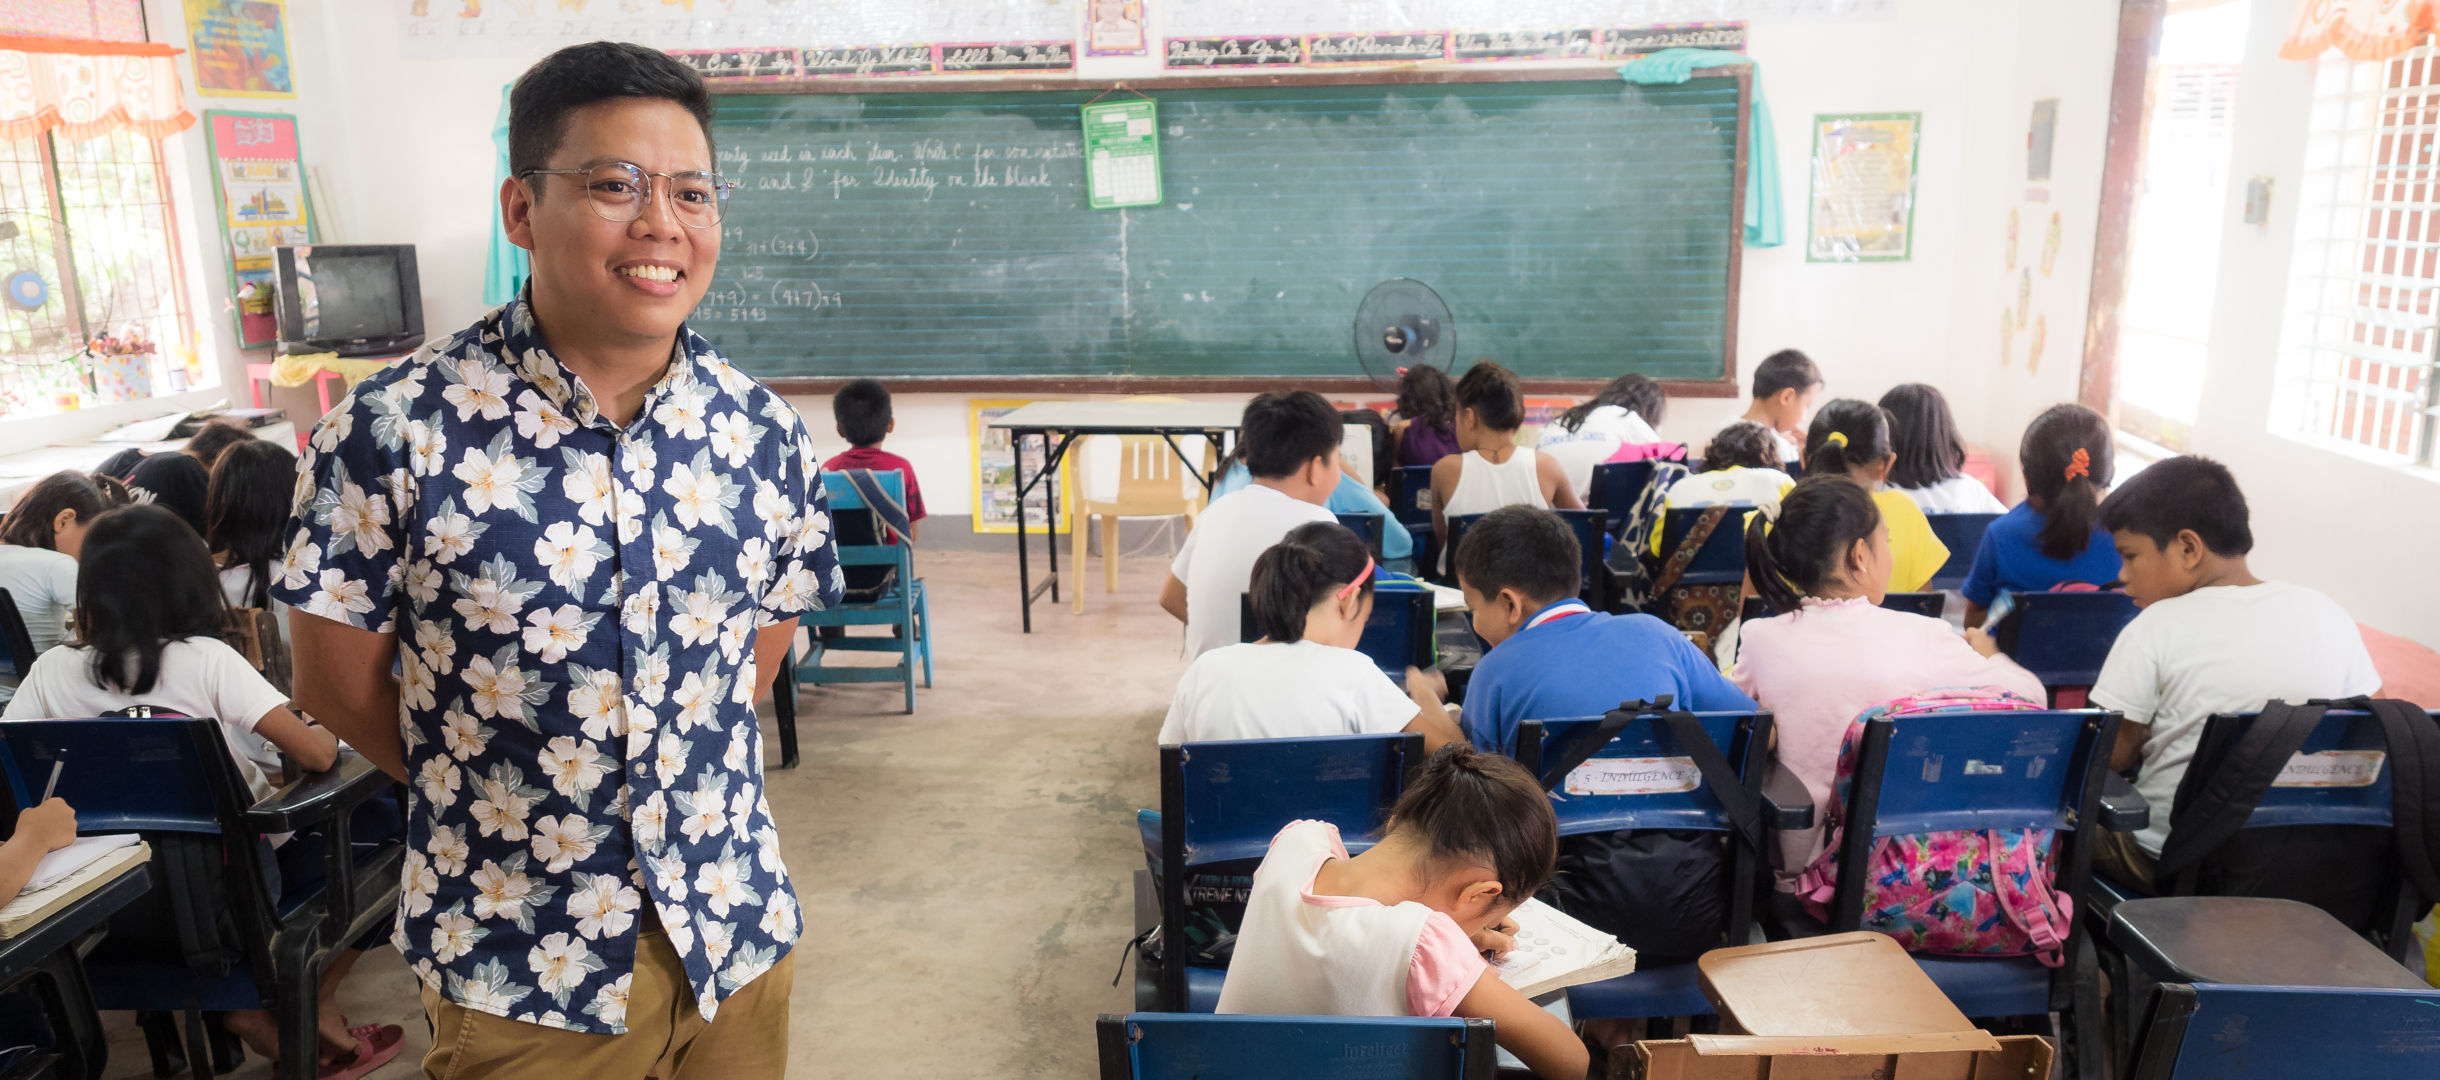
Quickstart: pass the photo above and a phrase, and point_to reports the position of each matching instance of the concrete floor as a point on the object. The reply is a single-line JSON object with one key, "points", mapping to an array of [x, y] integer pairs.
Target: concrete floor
{"points": [[964, 871]]}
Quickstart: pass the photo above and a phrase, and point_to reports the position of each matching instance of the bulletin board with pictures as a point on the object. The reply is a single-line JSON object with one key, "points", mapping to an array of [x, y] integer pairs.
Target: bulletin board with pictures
{"points": [[996, 470], [258, 181]]}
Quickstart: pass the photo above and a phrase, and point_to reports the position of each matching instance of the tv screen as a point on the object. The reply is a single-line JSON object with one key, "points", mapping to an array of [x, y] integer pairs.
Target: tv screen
{"points": [[351, 299]]}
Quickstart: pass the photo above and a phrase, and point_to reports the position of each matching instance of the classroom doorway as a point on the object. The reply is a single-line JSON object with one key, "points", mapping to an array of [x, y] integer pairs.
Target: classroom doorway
{"points": [[2173, 241]]}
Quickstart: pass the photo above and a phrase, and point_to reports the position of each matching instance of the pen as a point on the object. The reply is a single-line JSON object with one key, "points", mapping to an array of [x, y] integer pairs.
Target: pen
{"points": [[48, 788]]}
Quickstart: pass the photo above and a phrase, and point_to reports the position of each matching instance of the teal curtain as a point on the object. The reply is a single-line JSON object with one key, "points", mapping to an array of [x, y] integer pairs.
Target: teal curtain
{"points": [[504, 273], [1763, 226]]}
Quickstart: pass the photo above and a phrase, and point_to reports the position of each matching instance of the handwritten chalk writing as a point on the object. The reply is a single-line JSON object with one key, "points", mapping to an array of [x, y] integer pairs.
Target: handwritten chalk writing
{"points": [[918, 178], [880, 60], [1525, 44], [1015, 56], [1228, 52], [1322, 50], [1622, 43]]}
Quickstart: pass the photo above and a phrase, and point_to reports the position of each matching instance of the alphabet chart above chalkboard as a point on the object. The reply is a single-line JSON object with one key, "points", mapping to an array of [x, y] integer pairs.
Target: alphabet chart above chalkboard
{"points": [[1576, 225]]}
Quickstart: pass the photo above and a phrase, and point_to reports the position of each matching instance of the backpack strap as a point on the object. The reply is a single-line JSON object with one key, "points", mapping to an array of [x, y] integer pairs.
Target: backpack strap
{"points": [[886, 510], [2229, 794], [2414, 784], [1743, 806], [1683, 557]]}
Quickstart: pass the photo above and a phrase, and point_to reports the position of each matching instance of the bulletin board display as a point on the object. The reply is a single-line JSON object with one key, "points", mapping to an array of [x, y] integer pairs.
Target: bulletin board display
{"points": [[996, 465], [258, 182]]}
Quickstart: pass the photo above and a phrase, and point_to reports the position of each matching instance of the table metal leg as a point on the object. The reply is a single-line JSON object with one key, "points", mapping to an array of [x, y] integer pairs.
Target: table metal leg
{"points": [[1051, 456], [1050, 511], [1025, 573]]}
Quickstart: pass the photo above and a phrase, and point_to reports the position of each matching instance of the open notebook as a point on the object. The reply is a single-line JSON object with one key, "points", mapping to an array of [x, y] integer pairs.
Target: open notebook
{"points": [[86, 870], [1555, 951]]}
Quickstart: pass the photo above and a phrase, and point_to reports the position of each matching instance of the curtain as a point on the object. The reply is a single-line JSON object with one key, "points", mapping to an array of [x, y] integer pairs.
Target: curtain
{"points": [[2360, 29], [505, 270], [84, 89]]}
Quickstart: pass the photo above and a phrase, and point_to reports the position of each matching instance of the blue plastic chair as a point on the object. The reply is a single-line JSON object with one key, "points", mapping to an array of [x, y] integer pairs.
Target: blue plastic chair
{"points": [[904, 605], [1616, 488], [211, 935], [2063, 637], [1744, 739], [1591, 528], [1408, 484], [1721, 560], [1367, 528], [1163, 1046], [1962, 534], [1222, 802], [2206, 1031], [1396, 636], [1938, 772]]}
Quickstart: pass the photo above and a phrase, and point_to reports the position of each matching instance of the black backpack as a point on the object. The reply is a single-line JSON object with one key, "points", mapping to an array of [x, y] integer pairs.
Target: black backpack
{"points": [[2342, 869]]}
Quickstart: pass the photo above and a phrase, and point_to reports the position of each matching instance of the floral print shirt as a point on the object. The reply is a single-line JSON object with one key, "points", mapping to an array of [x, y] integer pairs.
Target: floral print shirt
{"points": [[575, 605]]}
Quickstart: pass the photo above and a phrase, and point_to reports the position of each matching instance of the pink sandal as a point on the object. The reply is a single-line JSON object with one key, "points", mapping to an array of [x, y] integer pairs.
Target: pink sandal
{"points": [[376, 1044]]}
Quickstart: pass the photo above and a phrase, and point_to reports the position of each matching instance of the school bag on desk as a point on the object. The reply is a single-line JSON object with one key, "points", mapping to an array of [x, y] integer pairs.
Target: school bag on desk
{"points": [[1964, 892]]}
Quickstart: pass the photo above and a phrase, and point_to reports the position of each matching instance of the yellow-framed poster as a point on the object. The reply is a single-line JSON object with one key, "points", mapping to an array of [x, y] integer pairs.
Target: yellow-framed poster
{"points": [[240, 47], [995, 472]]}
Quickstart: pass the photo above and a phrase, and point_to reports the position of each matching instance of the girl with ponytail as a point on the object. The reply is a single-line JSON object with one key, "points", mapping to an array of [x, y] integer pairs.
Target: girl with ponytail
{"points": [[1401, 929], [1311, 593], [1823, 555], [2054, 537], [1851, 438]]}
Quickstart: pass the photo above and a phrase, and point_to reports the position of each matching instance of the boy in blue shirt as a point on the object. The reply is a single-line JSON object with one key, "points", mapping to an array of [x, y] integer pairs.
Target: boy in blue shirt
{"points": [[1552, 657]]}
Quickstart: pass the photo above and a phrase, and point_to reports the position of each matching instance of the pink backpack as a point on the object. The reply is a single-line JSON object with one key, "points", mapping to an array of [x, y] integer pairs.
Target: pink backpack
{"points": [[1964, 893]]}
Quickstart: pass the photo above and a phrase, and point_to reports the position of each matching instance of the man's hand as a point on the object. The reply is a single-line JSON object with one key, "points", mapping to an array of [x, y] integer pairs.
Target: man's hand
{"points": [[48, 827], [1496, 939]]}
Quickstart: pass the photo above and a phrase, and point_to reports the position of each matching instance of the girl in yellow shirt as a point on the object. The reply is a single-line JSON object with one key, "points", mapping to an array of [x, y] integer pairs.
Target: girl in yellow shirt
{"points": [[1851, 438]]}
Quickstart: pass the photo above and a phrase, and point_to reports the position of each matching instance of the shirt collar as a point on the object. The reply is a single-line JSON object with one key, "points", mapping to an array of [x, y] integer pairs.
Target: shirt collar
{"points": [[522, 345], [1556, 612]]}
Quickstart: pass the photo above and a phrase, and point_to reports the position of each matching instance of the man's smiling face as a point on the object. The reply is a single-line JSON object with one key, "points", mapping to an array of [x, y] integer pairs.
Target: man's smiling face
{"points": [[617, 281]]}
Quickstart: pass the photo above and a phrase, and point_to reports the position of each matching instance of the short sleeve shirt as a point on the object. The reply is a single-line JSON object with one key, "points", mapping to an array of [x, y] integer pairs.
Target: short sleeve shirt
{"points": [[575, 604]]}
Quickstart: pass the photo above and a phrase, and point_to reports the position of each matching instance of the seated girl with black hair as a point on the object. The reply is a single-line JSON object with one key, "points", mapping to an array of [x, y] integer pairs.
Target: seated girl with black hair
{"points": [[1931, 457], [245, 518], [1851, 438], [1312, 593], [39, 545]]}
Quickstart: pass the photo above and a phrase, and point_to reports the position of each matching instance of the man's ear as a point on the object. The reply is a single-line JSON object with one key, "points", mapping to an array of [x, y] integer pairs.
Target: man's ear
{"points": [[517, 212]]}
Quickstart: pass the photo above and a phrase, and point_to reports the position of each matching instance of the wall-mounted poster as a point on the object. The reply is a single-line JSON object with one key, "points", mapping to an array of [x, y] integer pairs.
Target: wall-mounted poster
{"points": [[240, 47], [258, 180], [1114, 28], [1863, 207], [995, 472]]}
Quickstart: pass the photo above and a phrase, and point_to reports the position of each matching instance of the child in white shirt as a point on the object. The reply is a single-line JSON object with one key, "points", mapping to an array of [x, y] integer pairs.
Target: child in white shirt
{"points": [[1312, 593], [1402, 929], [1290, 443]]}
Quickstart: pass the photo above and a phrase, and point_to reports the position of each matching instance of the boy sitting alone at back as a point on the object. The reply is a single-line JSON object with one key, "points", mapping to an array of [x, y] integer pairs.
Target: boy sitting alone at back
{"points": [[2212, 638], [1291, 446], [862, 409], [1552, 657]]}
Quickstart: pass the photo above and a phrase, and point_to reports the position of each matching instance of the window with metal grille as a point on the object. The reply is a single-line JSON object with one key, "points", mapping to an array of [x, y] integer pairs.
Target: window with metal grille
{"points": [[88, 250], [2359, 361]]}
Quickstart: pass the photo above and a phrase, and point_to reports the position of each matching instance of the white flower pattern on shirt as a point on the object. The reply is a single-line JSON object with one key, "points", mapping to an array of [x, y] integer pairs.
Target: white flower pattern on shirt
{"points": [[574, 603]]}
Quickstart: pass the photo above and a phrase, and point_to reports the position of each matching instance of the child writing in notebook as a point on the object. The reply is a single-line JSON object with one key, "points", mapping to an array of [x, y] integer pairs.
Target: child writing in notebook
{"points": [[2054, 537], [1851, 438], [1402, 929], [1740, 468], [1494, 471], [39, 544], [1822, 554], [1312, 593], [1785, 384], [1627, 412], [42, 830]]}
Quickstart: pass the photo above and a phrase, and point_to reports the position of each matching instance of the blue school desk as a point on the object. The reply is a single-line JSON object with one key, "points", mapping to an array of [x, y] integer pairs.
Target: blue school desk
{"points": [[47, 956], [1058, 424]]}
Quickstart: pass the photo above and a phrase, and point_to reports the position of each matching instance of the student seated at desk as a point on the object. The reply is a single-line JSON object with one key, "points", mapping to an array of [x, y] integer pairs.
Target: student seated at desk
{"points": [[1312, 593], [1426, 430], [1785, 384], [1291, 445], [149, 614], [1740, 468], [1826, 562], [40, 831], [2211, 638], [245, 519], [1931, 457], [1552, 657], [1624, 413], [39, 544], [2052, 538], [864, 418], [1402, 929], [181, 479], [1349, 497], [1850, 438], [1494, 471]]}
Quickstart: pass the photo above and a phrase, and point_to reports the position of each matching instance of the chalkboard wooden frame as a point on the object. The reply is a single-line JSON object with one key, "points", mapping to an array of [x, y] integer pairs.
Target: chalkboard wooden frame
{"points": [[1724, 386]]}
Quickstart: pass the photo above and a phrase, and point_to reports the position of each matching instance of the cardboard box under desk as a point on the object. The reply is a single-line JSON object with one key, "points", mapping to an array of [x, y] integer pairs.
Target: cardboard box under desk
{"points": [[1840, 1007]]}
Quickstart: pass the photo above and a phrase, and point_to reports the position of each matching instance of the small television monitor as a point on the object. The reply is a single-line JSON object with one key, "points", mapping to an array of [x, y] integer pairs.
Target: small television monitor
{"points": [[351, 299]]}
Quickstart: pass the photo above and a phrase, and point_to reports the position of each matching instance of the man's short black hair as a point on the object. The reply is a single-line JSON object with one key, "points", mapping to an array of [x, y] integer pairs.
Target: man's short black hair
{"points": [[862, 408], [1524, 548], [581, 75], [1284, 431], [2182, 493], [1786, 369]]}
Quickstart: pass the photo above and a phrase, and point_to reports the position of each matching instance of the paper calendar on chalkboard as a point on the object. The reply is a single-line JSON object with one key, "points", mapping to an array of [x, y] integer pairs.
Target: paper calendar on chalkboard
{"points": [[1122, 153]]}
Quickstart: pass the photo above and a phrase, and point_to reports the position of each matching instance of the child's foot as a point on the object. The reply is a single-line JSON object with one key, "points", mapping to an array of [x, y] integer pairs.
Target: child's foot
{"points": [[256, 1029]]}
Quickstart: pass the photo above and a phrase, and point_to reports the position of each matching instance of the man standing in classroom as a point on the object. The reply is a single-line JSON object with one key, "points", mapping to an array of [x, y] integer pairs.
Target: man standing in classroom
{"points": [[585, 540]]}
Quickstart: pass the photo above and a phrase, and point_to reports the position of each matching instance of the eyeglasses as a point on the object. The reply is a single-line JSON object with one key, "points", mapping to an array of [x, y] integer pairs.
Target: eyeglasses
{"points": [[619, 192]]}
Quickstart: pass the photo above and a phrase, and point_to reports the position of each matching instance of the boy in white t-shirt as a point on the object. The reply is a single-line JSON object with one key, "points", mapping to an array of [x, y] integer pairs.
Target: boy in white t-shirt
{"points": [[2212, 637], [1290, 443], [1312, 593]]}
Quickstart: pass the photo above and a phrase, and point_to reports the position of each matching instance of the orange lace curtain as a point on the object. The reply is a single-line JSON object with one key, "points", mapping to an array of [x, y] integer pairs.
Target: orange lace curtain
{"points": [[86, 89], [2360, 29]]}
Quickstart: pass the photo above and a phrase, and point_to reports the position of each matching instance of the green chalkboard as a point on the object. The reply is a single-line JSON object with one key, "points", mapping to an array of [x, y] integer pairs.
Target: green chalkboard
{"points": [[1577, 229]]}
